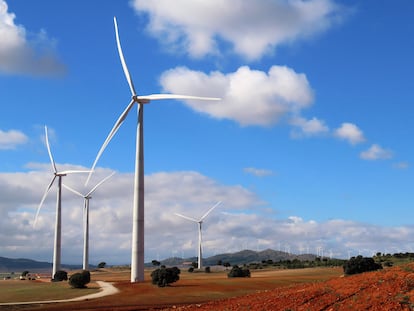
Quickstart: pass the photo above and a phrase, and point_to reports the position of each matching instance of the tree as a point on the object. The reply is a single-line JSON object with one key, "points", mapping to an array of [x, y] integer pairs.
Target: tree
{"points": [[237, 272], [60, 276], [360, 264], [165, 276], [102, 265], [24, 273], [156, 263], [79, 280]]}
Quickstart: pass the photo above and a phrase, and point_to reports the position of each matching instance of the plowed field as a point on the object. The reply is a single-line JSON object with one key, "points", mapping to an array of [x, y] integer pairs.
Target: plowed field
{"points": [[306, 289]]}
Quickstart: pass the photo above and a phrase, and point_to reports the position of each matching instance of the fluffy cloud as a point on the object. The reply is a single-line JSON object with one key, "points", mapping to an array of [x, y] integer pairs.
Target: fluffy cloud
{"points": [[239, 222], [250, 97], [350, 132], [11, 139], [307, 128], [19, 55], [376, 152], [253, 28]]}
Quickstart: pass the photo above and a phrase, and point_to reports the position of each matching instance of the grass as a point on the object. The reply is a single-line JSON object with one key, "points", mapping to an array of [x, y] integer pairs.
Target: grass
{"points": [[191, 288], [20, 291]]}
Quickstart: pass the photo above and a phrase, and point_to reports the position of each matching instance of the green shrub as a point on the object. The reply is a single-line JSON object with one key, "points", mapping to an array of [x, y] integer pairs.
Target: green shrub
{"points": [[237, 272], [60, 276], [79, 280], [360, 264], [165, 276]]}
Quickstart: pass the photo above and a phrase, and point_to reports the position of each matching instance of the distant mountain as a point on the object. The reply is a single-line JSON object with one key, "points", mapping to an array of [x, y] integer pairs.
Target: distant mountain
{"points": [[239, 258], [21, 264]]}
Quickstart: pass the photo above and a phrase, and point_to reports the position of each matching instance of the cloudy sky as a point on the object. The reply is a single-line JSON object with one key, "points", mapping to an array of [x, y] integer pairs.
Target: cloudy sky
{"points": [[308, 149]]}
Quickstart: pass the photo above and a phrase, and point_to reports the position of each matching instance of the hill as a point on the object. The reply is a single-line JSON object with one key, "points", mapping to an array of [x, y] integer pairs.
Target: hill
{"points": [[240, 258], [21, 264]]}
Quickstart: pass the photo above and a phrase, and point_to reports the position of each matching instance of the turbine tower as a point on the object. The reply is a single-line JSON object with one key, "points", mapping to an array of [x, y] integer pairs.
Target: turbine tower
{"points": [[199, 222], [137, 253], [86, 197], [58, 222]]}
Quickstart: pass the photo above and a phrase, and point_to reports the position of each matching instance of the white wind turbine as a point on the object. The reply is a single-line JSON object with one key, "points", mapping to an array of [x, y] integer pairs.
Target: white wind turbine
{"points": [[137, 253], [86, 198], [58, 224], [199, 222]]}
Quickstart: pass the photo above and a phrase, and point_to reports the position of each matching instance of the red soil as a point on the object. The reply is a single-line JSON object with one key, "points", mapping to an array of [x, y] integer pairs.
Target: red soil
{"points": [[389, 289], [386, 290]]}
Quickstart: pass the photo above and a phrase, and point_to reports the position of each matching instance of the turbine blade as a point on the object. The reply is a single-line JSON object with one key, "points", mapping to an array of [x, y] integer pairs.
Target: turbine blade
{"points": [[50, 152], [185, 217], [74, 172], [121, 56], [118, 123], [209, 211], [73, 190], [98, 184], [43, 199], [173, 96]]}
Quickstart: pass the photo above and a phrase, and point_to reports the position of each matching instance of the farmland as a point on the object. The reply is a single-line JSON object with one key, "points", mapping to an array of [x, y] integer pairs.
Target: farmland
{"points": [[267, 289]]}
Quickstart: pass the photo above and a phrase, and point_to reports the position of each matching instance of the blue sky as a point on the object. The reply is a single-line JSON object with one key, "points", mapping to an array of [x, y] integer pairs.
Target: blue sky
{"points": [[308, 149]]}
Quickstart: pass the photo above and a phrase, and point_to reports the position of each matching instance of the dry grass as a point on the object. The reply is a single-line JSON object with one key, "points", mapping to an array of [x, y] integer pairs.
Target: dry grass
{"points": [[192, 288]]}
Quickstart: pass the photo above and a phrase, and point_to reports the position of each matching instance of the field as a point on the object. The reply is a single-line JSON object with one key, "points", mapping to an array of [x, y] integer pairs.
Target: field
{"points": [[302, 289]]}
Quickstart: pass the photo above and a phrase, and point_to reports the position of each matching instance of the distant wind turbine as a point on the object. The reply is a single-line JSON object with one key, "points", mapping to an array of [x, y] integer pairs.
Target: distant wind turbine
{"points": [[58, 224], [137, 256], [87, 197], [199, 222]]}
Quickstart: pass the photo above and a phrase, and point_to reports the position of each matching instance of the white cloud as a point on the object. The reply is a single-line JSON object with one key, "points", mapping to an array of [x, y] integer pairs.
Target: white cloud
{"points": [[250, 97], [19, 54], [350, 132], [257, 171], [239, 222], [253, 28], [307, 128], [376, 152], [11, 139]]}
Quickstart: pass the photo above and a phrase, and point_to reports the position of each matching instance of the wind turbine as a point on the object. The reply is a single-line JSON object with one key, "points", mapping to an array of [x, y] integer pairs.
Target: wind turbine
{"points": [[199, 222], [86, 198], [137, 253], [58, 223]]}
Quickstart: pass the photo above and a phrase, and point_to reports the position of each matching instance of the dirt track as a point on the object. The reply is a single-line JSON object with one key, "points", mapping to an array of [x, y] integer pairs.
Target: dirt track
{"points": [[388, 290]]}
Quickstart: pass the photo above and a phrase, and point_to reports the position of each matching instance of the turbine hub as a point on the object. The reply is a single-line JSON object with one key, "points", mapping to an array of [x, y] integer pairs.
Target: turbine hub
{"points": [[140, 100]]}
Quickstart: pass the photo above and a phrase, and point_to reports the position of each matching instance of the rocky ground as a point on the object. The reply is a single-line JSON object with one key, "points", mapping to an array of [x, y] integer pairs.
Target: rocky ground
{"points": [[387, 290]]}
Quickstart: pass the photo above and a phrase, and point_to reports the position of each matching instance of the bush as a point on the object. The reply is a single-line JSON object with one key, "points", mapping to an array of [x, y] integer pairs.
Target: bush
{"points": [[79, 280], [237, 272], [101, 265], [360, 264], [60, 276], [207, 270], [165, 276], [191, 269]]}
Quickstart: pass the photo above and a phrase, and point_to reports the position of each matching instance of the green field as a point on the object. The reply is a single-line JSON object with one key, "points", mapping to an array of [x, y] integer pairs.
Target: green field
{"points": [[20, 291]]}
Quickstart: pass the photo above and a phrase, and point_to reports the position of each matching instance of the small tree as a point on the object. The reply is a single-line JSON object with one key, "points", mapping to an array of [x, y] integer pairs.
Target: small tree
{"points": [[79, 280], [156, 263], [165, 276], [207, 269], [60, 276], [102, 265], [360, 264], [237, 272], [24, 273]]}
